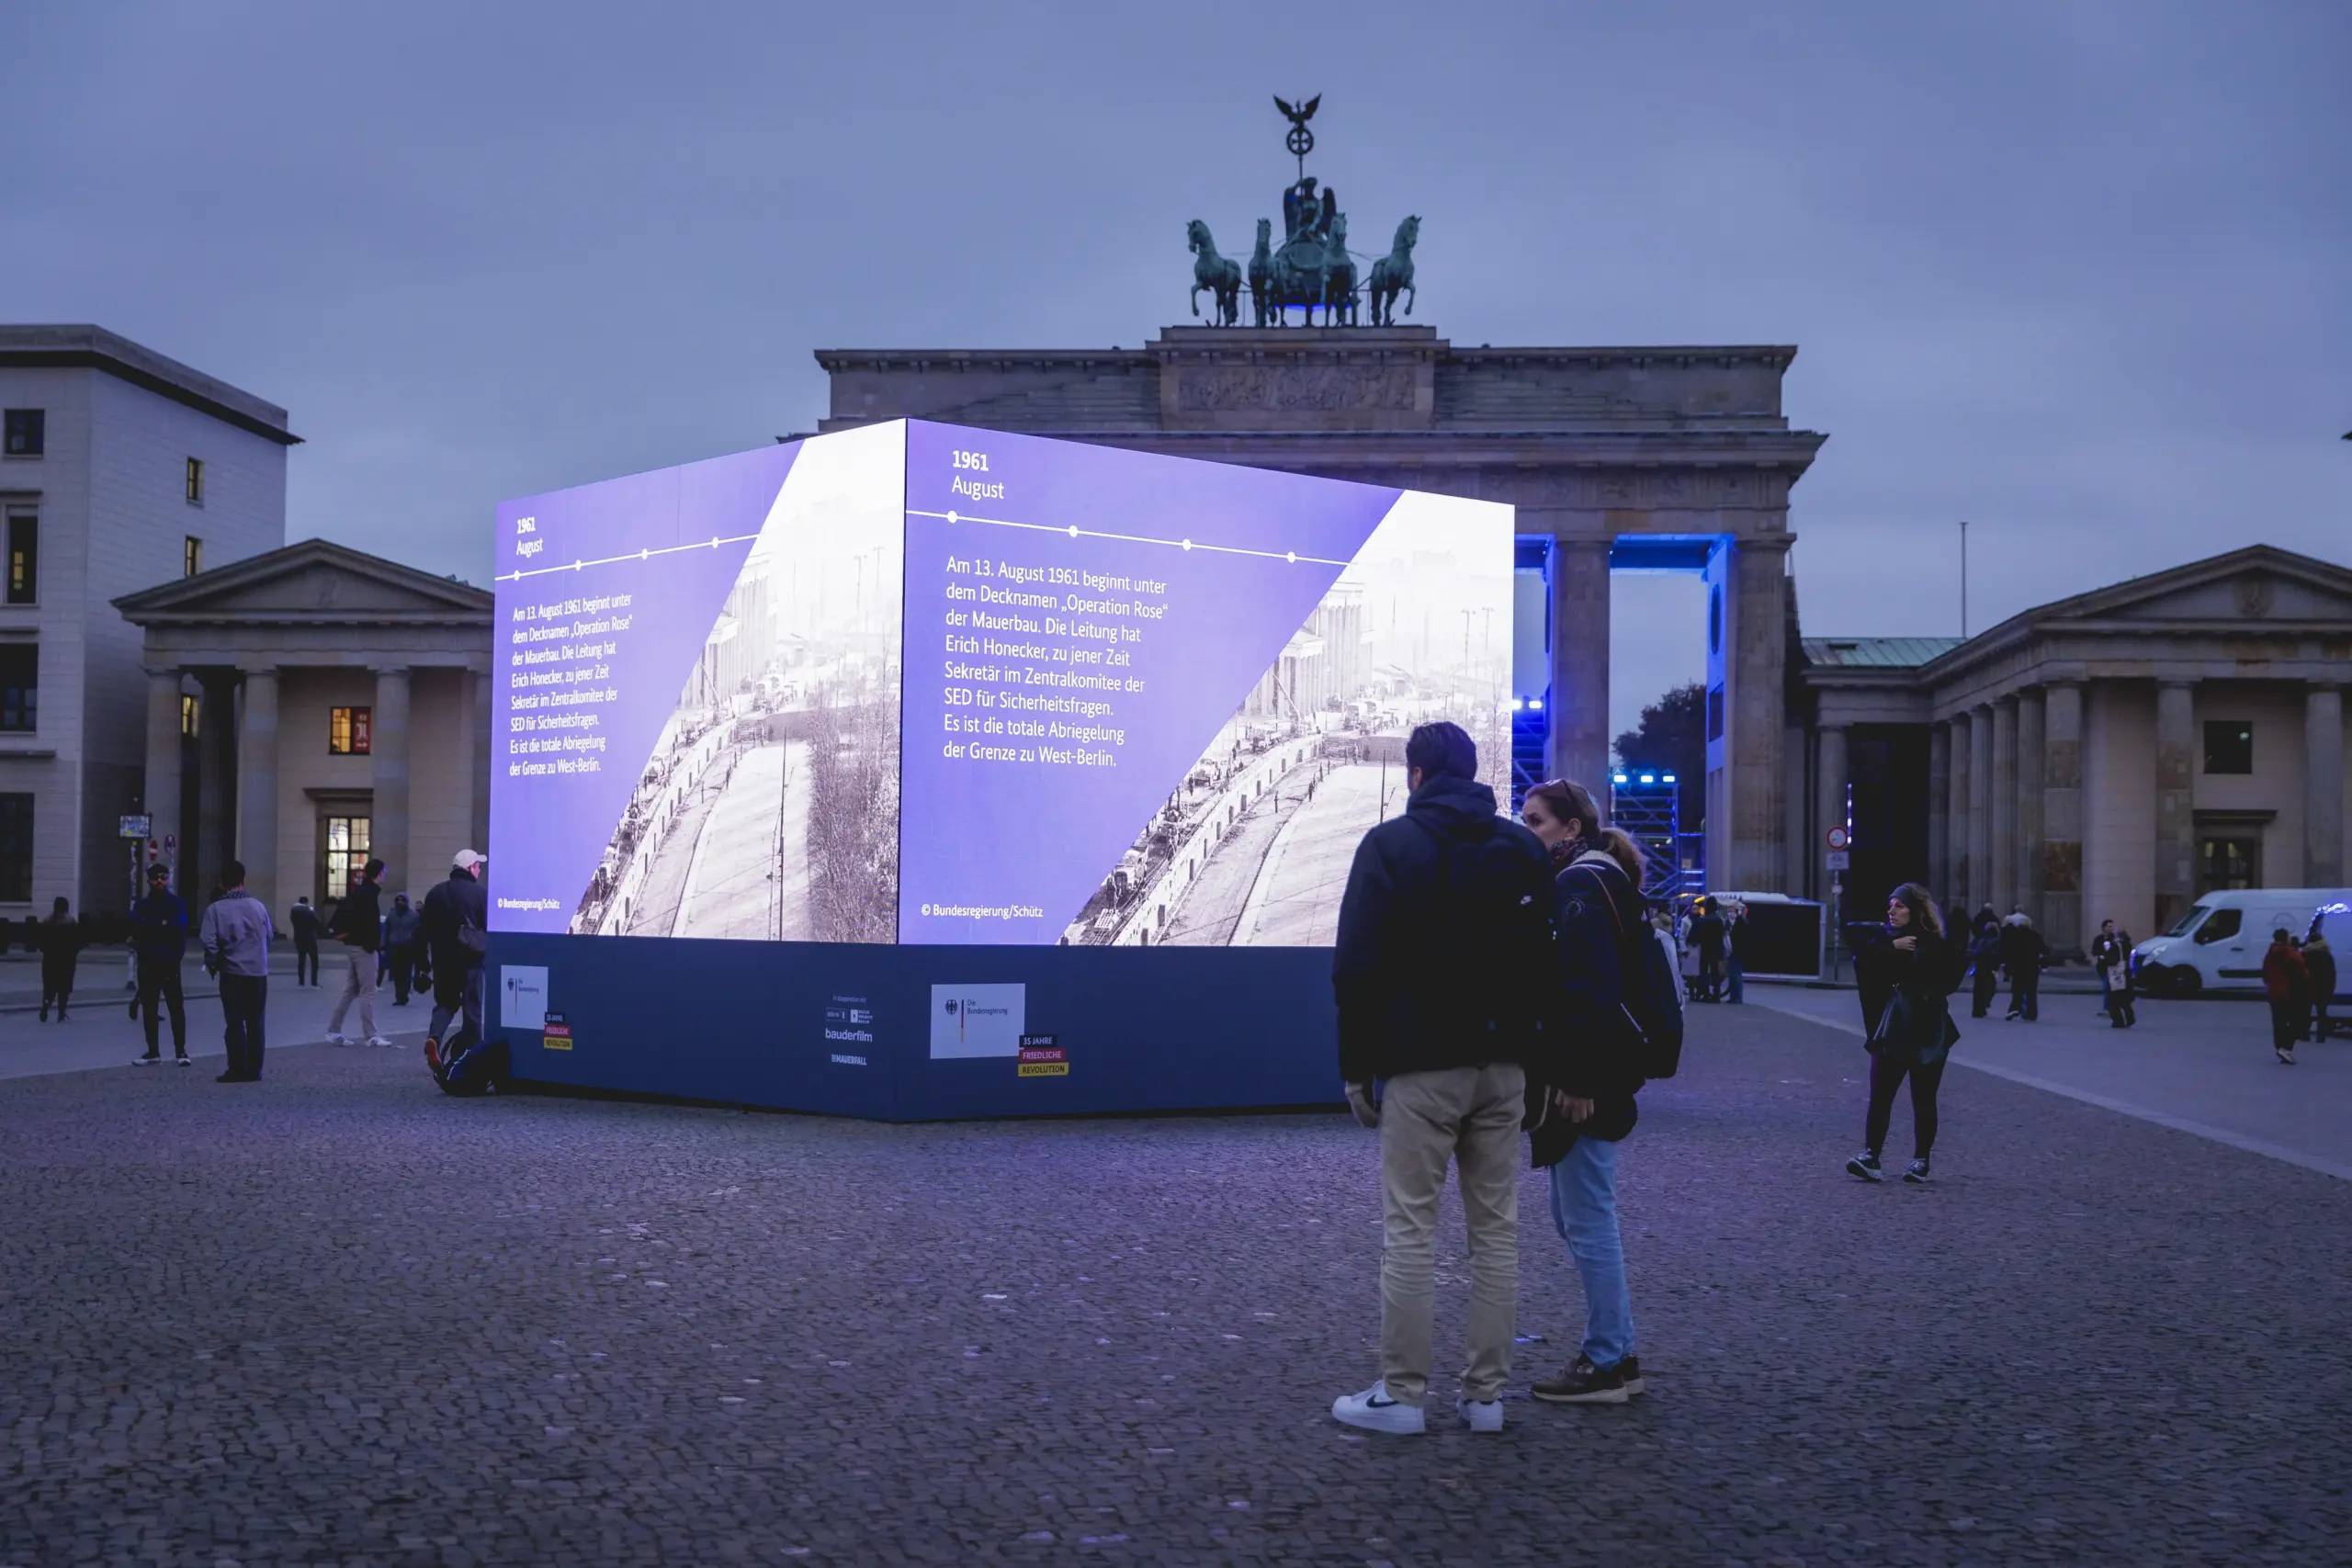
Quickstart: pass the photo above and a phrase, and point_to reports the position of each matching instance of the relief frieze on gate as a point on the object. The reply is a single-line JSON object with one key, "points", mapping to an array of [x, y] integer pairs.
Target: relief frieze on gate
{"points": [[1315, 388]]}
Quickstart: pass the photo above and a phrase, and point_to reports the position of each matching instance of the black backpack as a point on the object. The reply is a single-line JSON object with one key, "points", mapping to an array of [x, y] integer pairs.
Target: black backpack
{"points": [[1652, 990], [1490, 923], [480, 1068]]}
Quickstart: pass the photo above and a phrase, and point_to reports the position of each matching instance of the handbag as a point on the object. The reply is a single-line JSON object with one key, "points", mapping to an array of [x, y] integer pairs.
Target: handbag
{"points": [[1899, 1029], [1885, 1033]]}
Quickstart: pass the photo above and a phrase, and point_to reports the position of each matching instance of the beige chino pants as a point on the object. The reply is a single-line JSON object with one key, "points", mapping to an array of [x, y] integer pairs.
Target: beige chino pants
{"points": [[1468, 1117], [359, 986]]}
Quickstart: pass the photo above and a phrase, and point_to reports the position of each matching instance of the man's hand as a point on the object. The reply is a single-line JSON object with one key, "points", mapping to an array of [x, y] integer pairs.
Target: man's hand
{"points": [[1576, 1111], [1360, 1100]]}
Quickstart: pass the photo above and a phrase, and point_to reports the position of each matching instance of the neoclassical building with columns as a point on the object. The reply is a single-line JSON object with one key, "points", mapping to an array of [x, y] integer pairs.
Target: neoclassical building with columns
{"points": [[2109, 756], [309, 707]]}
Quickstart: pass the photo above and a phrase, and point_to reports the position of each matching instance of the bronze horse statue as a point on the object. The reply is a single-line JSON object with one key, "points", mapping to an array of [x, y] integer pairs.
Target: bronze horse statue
{"points": [[1221, 275], [1393, 275], [1260, 271], [1339, 276]]}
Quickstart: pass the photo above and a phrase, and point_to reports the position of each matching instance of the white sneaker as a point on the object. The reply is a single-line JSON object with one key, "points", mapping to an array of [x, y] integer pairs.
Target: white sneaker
{"points": [[337, 1040], [1375, 1412], [377, 1040], [1482, 1415]]}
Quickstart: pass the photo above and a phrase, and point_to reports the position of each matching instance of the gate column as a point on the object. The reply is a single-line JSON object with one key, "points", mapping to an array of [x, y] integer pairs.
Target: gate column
{"points": [[1756, 694], [1579, 747]]}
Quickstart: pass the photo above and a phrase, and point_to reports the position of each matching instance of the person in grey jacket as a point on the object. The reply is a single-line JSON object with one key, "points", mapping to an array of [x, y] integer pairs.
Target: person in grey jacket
{"points": [[401, 928], [235, 934]]}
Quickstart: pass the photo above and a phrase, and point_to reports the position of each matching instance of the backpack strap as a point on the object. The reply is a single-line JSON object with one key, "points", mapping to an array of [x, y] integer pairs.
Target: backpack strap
{"points": [[1599, 868]]}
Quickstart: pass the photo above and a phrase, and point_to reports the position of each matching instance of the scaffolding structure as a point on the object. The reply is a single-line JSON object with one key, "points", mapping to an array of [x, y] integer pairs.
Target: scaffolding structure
{"points": [[1647, 805], [1530, 730]]}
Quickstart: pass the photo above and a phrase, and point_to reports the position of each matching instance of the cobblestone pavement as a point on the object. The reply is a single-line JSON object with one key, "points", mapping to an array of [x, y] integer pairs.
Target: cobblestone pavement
{"points": [[336, 1318]]}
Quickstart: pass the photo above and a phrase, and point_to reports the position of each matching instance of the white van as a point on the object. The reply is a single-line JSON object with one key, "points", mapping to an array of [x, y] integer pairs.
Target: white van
{"points": [[2217, 945]]}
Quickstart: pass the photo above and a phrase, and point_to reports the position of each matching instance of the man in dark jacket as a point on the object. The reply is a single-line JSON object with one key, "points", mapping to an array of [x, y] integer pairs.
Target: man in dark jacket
{"points": [[1443, 976], [2021, 951], [2112, 956], [158, 936], [1711, 933], [1984, 954], [358, 924], [2319, 963], [1739, 946], [305, 921], [454, 919]]}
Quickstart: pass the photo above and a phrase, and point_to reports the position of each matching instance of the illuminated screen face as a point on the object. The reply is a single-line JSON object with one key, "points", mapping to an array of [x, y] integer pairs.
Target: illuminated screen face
{"points": [[924, 684]]}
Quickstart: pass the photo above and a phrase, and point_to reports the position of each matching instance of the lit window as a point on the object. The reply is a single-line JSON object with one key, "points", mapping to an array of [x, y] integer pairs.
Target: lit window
{"points": [[191, 714], [19, 685], [347, 855], [196, 481], [26, 432], [191, 556], [24, 558], [348, 731]]}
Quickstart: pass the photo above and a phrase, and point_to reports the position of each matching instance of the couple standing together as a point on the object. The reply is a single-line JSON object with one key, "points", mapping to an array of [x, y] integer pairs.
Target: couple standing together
{"points": [[1484, 973]]}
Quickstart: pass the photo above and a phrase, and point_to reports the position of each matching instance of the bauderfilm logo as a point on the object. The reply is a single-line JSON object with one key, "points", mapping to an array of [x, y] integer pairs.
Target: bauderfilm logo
{"points": [[849, 1020]]}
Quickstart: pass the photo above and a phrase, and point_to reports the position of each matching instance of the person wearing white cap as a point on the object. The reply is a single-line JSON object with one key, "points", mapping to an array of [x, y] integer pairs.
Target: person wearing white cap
{"points": [[457, 922]]}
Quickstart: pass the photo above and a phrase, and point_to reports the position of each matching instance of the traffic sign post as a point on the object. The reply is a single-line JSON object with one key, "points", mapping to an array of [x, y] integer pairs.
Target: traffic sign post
{"points": [[1837, 859]]}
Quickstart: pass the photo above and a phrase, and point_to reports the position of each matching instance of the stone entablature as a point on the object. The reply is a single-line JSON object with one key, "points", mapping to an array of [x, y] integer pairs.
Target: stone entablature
{"points": [[1589, 445], [1313, 380]]}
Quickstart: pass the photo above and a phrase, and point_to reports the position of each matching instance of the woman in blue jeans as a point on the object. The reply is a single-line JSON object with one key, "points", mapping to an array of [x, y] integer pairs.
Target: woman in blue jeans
{"points": [[1598, 917]]}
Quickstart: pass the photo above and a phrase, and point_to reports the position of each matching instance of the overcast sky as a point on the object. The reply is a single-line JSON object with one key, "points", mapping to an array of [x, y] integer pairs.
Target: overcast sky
{"points": [[2080, 273]]}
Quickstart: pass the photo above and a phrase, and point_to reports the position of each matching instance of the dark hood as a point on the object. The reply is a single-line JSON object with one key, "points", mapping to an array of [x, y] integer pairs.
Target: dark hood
{"points": [[1457, 808]]}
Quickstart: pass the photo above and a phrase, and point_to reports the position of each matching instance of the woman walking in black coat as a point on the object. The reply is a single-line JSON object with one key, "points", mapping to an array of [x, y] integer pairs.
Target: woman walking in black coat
{"points": [[1908, 969]]}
